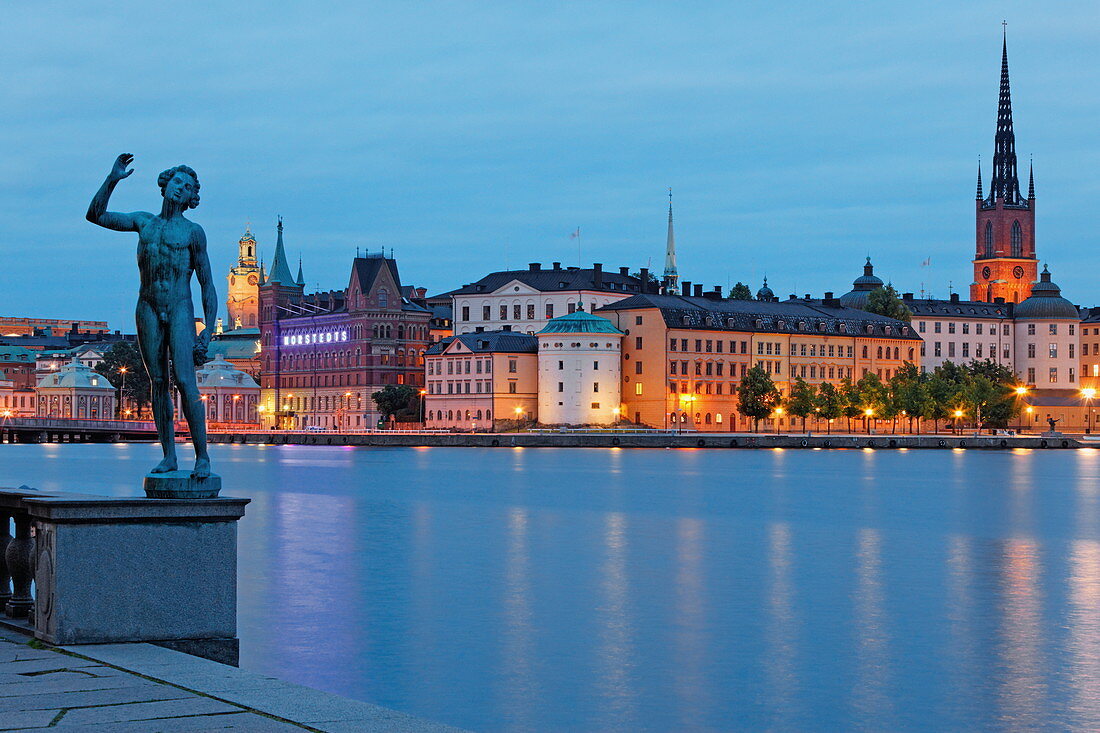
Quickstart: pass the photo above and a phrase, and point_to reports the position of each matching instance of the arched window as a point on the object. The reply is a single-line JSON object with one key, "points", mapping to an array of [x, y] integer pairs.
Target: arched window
{"points": [[718, 418], [988, 251], [879, 352], [479, 414], [488, 414], [707, 419], [383, 298], [1017, 240]]}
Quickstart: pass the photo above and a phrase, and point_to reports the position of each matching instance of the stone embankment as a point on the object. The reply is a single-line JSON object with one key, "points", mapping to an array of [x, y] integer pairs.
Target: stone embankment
{"points": [[651, 440]]}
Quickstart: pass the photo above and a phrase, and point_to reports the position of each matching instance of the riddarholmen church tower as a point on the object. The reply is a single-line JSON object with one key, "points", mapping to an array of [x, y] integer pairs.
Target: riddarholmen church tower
{"points": [[1004, 259]]}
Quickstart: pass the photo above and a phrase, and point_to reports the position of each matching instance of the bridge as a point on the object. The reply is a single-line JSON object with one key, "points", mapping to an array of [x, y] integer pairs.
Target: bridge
{"points": [[61, 430]]}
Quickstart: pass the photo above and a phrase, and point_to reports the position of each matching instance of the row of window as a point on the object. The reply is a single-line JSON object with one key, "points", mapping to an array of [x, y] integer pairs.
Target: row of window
{"points": [[322, 403], [1016, 239], [937, 327], [1052, 375], [476, 386], [458, 415], [979, 353], [518, 310]]}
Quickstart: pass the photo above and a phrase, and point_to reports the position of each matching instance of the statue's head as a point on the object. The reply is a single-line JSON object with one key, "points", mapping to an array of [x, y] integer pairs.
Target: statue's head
{"points": [[180, 184]]}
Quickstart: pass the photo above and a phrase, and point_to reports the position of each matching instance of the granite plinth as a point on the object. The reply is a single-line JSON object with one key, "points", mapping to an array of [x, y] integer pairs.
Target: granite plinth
{"points": [[181, 485]]}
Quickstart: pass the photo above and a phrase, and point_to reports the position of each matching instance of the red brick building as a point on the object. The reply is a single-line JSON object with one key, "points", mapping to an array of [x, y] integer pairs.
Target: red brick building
{"points": [[324, 354]]}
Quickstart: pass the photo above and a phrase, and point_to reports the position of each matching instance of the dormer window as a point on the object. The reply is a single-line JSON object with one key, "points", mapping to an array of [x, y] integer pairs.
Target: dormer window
{"points": [[780, 326], [887, 329]]}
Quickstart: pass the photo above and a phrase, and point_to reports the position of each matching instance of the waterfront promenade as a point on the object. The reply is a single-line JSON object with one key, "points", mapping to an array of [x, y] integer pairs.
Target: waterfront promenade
{"points": [[142, 687]]}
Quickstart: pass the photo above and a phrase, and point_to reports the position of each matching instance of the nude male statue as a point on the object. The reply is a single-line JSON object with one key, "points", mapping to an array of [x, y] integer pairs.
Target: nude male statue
{"points": [[170, 248]]}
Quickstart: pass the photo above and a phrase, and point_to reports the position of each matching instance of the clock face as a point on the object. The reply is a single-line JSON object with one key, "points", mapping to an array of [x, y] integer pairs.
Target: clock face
{"points": [[1018, 271], [252, 280], [986, 272]]}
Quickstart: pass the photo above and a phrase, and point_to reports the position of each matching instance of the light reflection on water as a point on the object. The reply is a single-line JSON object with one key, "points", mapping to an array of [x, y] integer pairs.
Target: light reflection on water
{"points": [[533, 589]]}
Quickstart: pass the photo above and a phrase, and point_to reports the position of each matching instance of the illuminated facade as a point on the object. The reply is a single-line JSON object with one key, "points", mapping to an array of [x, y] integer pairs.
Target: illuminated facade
{"points": [[683, 356], [580, 362], [324, 354], [75, 391], [480, 381], [242, 302]]}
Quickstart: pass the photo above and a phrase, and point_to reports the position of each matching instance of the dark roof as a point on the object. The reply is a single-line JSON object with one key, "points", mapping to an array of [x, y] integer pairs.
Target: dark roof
{"points": [[958, 308], [572, 278], [1046, 302], [580, 322], [763, 316], [511, 342]]}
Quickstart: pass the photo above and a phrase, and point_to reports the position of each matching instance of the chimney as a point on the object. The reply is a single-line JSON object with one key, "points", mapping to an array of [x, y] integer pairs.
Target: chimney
{"points": [[698, 290], [807, 297], [907, 296], [792, 296], [597, 274], [718, 290], [685, 288], [624, 271], [534, 266], [954, 297], [828, 295], [557, 265], [644, 272]]}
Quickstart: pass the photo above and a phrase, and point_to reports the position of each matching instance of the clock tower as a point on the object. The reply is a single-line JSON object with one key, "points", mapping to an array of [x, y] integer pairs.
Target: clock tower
{"points": [[1004, 259], [242, 305]]}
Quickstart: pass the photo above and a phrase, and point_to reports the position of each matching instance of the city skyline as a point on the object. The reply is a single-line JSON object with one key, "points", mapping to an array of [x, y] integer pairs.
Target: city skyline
{"points": [[464, 166]]}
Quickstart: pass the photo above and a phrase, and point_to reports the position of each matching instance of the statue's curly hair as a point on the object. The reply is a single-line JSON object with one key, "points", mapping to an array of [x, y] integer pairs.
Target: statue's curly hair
{"points": [[163, 178]]}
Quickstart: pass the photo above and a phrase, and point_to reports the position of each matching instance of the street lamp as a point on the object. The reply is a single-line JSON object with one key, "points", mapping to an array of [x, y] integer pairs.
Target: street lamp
{"points": [[867, 415], [778, 414], [1088, 393], [1021, 392], [122, 392], [958, 414]]}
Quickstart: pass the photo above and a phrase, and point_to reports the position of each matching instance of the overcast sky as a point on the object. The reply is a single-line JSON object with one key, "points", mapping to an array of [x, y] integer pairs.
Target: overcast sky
{"points": [[798, 137]]}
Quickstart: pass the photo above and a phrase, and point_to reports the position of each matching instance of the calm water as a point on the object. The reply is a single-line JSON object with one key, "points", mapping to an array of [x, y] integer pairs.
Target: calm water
{"points": [[523, 589]]}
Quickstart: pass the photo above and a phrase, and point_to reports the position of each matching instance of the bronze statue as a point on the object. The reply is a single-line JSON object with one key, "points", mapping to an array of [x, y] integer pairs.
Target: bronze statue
{"points": [[170, 248]]}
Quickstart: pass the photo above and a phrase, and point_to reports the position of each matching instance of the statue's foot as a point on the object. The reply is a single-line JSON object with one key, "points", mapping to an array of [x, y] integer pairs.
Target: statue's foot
{"points": [[202, 468], [165, 466]]}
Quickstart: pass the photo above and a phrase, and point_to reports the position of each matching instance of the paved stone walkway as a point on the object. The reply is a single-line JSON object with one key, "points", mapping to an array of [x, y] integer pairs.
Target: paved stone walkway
{"points": [[142, 687]]}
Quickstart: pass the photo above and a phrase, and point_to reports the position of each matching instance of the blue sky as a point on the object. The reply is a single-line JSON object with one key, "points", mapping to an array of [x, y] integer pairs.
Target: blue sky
{"points": [[798, 137]]}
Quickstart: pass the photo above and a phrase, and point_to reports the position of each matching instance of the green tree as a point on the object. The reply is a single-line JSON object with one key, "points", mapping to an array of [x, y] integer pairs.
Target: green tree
{"points": [[872, 396], [801, 401], [758, 396], [402, 402], [740, 291], [907, 388], [651, 278], [850, 401], [1002, 408], [829, 403], [885, 301], [122, 364]]}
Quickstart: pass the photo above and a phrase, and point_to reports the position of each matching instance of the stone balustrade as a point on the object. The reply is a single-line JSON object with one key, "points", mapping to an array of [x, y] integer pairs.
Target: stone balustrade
{"points": [[108, 569]]}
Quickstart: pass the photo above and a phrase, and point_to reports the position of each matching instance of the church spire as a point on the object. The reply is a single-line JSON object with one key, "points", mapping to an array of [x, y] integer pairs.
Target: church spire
{"points": [[980, 196], [1031, 181], [301, 280], [1005, 183], [280, 268], [672, 277]]}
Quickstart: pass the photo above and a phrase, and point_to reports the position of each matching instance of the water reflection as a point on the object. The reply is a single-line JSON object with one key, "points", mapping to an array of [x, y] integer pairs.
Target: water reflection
{"points": [[872, 702], [690, 684], [1023, 687], [519, 640], [615, 656], [782, 630]]}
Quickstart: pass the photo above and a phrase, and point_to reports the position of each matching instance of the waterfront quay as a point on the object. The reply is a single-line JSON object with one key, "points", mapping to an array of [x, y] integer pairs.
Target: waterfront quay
{"points": [[653, 439]]}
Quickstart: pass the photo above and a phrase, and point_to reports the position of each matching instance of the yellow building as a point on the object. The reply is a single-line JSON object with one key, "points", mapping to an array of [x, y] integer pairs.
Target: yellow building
{"points": [[684, 356], [242, 303], [481, 381]]}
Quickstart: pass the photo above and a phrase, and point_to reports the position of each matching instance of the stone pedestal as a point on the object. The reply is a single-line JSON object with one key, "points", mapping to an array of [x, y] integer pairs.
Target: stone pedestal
{"points": [[181, 485], [151, 570]]}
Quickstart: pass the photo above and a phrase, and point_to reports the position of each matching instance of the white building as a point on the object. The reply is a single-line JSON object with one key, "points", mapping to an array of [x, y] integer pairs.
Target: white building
{"points": [[961, 331], [75, 391], [524, 300], [580, 370]]}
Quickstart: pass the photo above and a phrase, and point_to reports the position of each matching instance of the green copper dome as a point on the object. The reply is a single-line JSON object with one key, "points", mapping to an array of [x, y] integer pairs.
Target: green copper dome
{"points": [[580, 322]]}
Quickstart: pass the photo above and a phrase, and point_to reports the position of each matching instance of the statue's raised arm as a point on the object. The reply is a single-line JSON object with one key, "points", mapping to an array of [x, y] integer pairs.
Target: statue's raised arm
{"points": [[97, 210]]}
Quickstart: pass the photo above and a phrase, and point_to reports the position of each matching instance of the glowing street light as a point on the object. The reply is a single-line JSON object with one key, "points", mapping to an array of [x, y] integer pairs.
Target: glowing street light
{"points": [[1088, 393]]}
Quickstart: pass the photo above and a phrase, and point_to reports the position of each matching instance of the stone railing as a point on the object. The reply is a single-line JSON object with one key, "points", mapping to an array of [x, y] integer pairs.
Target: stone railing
{"points": [[109, 569]]}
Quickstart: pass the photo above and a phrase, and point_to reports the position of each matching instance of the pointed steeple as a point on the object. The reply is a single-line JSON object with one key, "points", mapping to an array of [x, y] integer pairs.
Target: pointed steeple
{"points": [[1005, 183], [980, 196], [280, 269], [301, 278], [672, 276], [263, 272], [1031, 181]]}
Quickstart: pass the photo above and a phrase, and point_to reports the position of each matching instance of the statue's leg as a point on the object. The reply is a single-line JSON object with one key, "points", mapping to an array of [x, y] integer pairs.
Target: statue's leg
{"points": [[182, 339], [154, 352]]}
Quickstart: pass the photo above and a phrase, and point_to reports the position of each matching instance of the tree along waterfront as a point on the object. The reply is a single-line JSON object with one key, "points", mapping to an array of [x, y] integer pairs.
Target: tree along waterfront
{"points": [[981, 393]]}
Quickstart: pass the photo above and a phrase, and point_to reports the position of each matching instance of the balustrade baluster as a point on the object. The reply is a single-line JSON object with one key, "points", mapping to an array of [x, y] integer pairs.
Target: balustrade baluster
{"points": [[5, 539], [20, 559]]}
